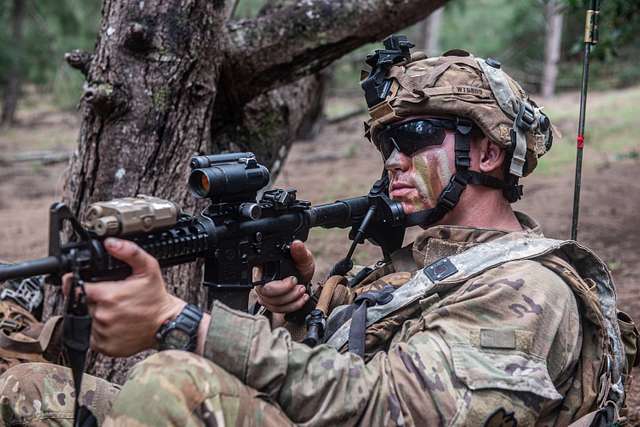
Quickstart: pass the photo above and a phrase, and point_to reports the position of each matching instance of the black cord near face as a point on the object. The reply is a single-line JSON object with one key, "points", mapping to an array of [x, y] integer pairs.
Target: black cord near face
{"points": [[412, 136]]}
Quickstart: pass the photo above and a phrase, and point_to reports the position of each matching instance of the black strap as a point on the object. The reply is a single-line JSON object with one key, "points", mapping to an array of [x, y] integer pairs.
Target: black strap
{"points": [[359, 316], [450, 195], [76, 334], [76, 328], [463, 145], [360, 276], [478, 178], [338, 318], [605, 417], [510, 188], [84, 418]]}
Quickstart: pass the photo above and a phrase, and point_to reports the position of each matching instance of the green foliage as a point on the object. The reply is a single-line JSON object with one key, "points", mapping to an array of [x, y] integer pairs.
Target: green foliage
{"points": [[619, 23], [511, 31], [514, 33], [613, 59], [611, 129], [50, 28]]}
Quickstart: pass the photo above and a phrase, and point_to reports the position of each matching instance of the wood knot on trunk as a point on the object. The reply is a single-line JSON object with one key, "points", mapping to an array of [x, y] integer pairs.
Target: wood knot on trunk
{"points": [[199, 90], [105, 99], [137, 38], [80, 60]]}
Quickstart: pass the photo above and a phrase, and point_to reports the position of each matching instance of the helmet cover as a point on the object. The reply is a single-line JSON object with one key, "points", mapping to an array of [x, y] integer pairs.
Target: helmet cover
{"points": [[457, 84]]}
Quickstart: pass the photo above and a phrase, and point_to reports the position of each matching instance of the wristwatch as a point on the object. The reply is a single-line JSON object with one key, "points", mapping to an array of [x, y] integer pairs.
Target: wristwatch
{"points": [[180, 333]]}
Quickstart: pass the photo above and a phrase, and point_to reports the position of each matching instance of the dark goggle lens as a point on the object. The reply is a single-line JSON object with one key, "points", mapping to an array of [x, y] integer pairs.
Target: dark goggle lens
{"points": [[409, 137]]}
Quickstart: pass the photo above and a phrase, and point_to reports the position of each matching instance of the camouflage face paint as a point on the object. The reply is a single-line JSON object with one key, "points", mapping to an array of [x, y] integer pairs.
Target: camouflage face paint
{"points": [[431, 174], [421, 180]]}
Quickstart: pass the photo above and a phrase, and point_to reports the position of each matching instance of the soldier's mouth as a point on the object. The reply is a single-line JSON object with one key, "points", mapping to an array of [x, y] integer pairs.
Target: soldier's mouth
{"points": [[399, 190]]}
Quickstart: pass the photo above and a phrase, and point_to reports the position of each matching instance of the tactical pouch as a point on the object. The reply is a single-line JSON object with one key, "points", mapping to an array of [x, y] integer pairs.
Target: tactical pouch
{"points": [[630, 339], [24, 339]]}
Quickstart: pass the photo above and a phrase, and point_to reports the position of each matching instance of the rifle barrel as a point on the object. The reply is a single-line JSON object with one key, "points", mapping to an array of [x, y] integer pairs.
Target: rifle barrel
{"points": [[340, 214], [35, 267]]}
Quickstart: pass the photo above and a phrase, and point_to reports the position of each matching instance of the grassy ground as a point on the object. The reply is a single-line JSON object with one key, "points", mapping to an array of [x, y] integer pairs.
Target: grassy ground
{"points": [[611, 129]]}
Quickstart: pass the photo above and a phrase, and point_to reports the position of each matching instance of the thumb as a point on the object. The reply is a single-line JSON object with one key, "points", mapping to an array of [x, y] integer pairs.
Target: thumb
{"points": [[128, 252], [303, 259]]}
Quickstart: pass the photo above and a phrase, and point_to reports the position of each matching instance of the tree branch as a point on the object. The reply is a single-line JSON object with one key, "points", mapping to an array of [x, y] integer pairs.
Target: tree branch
{"points": [[80, 60], [302, 38]]}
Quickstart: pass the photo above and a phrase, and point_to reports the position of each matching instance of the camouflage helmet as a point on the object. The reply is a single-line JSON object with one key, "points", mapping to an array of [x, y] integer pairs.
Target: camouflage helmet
{"points": [[460, 85]]}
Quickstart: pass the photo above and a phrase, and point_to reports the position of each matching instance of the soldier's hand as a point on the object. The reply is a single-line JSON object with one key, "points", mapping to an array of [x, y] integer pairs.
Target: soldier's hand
{"points": [[126, 314], [287, 295]]}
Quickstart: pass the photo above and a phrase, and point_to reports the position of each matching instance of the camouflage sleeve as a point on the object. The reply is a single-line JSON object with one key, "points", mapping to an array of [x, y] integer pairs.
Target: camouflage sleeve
{"points": [[478, 356]]}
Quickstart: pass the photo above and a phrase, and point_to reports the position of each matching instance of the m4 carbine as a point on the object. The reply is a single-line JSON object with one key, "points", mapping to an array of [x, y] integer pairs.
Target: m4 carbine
{"points": [[233, 235]]}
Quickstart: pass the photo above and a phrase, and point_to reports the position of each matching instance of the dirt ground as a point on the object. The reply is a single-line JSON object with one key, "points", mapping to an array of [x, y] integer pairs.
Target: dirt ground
{"points": [[338, 163]]}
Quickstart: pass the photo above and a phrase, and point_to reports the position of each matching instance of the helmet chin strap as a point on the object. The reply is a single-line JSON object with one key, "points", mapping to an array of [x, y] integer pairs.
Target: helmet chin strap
{"points": [[450, 195]]}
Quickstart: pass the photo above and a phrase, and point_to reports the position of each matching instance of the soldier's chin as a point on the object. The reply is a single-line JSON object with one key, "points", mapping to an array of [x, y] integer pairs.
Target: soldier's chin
{"points": [[410, 207]]}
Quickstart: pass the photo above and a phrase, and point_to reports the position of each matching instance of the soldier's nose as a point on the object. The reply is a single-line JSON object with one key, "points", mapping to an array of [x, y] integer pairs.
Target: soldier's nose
{"points": [[397, 161]]}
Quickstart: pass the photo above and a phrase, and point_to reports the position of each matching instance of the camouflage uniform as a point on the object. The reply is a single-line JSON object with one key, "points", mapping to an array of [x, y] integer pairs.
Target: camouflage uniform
{"points": [[449, 362], [521, 343]]}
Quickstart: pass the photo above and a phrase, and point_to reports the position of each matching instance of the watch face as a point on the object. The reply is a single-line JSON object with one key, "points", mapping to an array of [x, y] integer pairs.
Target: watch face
{"points": [[177, 339]]}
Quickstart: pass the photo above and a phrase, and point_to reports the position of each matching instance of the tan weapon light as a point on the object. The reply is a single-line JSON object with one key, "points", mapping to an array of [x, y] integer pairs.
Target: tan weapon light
{"points": [[130, 215]]}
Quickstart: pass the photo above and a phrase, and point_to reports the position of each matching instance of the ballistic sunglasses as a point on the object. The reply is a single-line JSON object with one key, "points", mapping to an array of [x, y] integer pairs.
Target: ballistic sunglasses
{"points": [[412, 136]]}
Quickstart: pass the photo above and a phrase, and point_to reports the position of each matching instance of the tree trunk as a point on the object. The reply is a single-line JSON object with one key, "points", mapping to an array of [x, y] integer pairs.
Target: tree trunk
{"points": [[553, 41], [13, 84], [170, 78], [431, 33]]}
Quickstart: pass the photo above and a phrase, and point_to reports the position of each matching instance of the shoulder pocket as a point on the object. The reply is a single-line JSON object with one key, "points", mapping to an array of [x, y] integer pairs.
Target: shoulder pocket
{"points": [[513, 370]]}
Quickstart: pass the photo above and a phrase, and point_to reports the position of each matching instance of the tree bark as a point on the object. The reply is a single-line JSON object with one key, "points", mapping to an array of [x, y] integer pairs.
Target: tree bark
{"points": [[14, 82], [170, 78], [553, 40], [305, 37]]}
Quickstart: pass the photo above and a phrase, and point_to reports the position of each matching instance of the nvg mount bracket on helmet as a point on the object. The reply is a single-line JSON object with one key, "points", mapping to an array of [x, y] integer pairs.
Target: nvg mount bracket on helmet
{"points": [[376, 86]]}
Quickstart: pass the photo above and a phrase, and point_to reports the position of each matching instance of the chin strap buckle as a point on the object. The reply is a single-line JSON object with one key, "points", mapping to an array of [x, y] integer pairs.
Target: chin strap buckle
{"points": [[463, 144], [513, 193], [452, 192]]}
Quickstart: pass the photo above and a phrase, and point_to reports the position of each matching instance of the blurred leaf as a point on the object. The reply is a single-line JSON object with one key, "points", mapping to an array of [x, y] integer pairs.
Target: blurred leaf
{"points": [[51, 28]]}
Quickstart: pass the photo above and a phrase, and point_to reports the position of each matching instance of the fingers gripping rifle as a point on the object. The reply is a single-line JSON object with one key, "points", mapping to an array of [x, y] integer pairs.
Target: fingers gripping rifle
{"points": [[235, 233]]}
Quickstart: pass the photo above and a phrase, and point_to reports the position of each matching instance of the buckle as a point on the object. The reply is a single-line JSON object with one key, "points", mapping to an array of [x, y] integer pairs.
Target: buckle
{"points": [[464, 126], [526, 116], [10, 325], [27, 294], [451, 194], [513, 193]]}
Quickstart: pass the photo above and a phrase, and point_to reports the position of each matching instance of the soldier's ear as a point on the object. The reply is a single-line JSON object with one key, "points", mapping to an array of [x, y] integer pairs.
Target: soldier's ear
{"points": [[492, 156]]}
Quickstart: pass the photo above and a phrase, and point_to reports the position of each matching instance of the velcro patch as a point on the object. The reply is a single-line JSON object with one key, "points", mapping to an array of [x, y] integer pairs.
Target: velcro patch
{"points": [[498, 338], [440, 270]]}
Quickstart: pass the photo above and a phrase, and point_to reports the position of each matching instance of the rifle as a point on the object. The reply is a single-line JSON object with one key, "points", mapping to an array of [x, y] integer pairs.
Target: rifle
{"points": [[232, 235], [235, 233]]}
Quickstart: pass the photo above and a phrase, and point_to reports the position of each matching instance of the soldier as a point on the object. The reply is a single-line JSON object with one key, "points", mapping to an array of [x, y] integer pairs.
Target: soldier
{"points": [[481, 321]]}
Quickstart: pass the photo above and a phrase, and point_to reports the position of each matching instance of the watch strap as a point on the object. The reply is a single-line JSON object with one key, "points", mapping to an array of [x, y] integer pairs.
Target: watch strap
{"points": [[188, 322]]}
